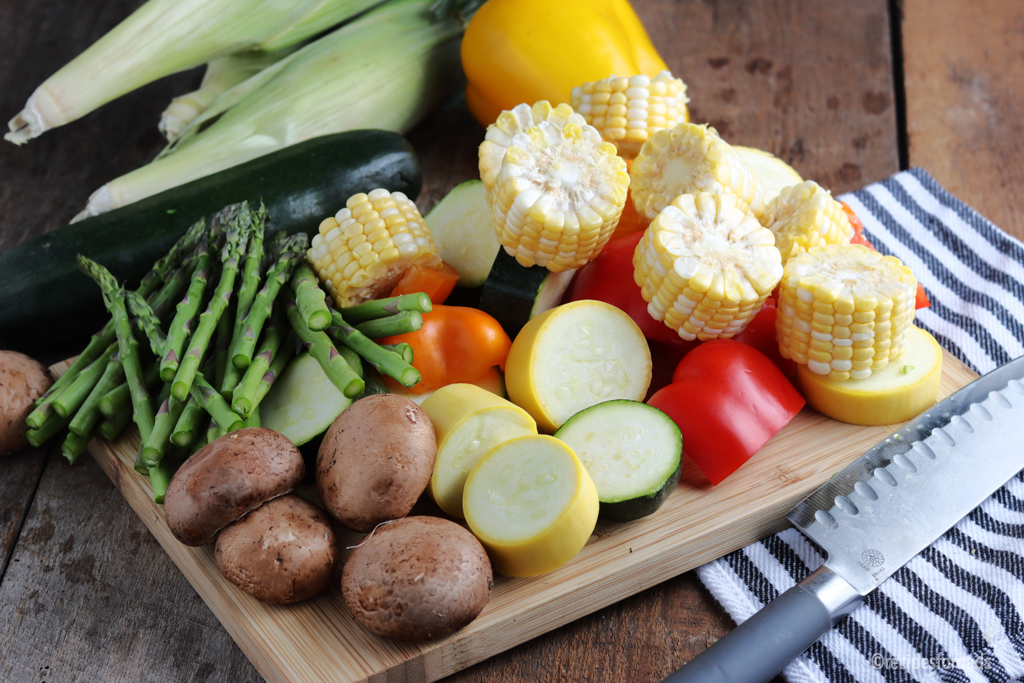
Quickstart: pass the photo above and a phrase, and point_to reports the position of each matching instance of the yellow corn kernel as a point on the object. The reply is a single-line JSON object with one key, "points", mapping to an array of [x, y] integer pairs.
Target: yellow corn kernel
{"points": [[688, 159], [640, 107], [362, 252], [872, 301], [721, 266], [804, 216], [558, 196], [510, 123]]}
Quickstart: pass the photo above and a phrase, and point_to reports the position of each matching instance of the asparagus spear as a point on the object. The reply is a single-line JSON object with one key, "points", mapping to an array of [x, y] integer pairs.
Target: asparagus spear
{"points": [[289, 253], [189, 422], [320, 347], [114, 298], [50, 426], [243, 397], [254, 418], [402, 349], [73, 396], [73, 446], [310, 299], [399, 323], [213, 432], [229, 376], [88, 415], [118, 397], [140, 466], [277, 366], [215, 405], [220, 352], [159, 479], [112, 427], [236, 240], [164, 267], [382, 308], [382, 360], [163, 424], [147, 321], [181, 324]]}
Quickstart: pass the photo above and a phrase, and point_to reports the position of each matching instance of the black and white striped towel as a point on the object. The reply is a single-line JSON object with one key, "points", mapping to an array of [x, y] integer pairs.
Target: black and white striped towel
{"points": [[955, 613]]}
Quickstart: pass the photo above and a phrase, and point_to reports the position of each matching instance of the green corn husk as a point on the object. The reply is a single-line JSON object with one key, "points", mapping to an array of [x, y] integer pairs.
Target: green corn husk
{"points": [[386, 70], [166, 36]]}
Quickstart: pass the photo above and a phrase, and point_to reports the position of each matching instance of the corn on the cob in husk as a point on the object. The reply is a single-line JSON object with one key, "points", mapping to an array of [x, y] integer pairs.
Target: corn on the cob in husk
{"points": [[626, 111], [166, 36], [558, 196], [384, 70], [362, 252], [844, 310], [705, 266], [804, 216], [688, 159], [511, 122], [221, 75]]}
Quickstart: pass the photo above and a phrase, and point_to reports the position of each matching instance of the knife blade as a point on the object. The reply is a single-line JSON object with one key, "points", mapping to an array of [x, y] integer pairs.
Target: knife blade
{"points": [[875, 515]]}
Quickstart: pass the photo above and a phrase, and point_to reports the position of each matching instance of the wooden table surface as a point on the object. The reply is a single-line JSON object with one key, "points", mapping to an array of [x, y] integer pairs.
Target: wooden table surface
{"points": [[847, 92]]}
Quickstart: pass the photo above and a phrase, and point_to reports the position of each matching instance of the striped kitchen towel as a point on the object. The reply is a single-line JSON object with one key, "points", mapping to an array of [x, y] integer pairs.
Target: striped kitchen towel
{"points": [[956, 611]]}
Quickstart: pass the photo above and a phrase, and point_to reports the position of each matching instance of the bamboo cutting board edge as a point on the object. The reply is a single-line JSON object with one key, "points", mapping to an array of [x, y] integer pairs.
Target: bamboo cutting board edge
{"points": [[317, 640]]}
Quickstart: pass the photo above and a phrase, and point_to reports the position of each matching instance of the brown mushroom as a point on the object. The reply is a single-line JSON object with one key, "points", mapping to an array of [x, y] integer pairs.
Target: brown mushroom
{"points": [[22, 381], [417, 578], [282, 552], [226, 479], [375, 461]]}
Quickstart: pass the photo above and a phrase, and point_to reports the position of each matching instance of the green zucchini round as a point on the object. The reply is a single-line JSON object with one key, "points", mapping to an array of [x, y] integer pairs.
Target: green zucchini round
{"points": [[633, 453], [46, 302]]}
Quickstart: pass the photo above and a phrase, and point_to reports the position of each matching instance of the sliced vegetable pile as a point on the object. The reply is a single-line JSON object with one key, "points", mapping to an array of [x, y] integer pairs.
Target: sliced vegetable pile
{"points": [[750, 275]]}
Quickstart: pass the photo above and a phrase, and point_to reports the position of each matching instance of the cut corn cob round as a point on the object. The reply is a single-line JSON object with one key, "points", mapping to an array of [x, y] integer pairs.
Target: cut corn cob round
{"points": [[627, 111], [706, 265], [844, 310], [510, 122], [558, 196], [686, 160], [805, 215], [362, 252]]}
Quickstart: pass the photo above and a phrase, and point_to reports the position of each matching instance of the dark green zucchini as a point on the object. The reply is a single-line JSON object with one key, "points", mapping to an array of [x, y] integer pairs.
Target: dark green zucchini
{"points": [[42, 294], [513, 293], [631, 450]]}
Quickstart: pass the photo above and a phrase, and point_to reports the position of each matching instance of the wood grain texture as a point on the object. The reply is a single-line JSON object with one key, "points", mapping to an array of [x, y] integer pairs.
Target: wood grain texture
{"points": [[964, 65], [318, 640], [18, 483]]}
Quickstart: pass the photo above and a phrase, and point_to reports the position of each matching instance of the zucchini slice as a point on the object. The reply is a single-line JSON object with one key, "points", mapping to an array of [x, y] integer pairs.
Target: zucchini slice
{"points": [[575, 356], [514, 294], [532, 505], [302, 404], [631, 450], [469, 421], [462, 226]]}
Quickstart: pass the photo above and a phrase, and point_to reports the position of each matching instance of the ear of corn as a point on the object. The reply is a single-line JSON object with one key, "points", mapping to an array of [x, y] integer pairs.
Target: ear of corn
{"points": [[705, 266], [362, 252], [221, 75], [689, 159], [805, 215], [384, 70], [844, 310], [558, 196], [166, 36], [511, 122], [627, 111]]}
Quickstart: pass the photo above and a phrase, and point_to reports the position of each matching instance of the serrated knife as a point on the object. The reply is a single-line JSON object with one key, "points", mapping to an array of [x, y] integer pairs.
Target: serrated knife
{"points": [[875, 515]]}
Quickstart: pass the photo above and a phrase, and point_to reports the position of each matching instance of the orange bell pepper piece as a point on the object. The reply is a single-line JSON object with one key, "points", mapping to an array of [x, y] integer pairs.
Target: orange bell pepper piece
{"points": [[437, 284], [455, 344]]}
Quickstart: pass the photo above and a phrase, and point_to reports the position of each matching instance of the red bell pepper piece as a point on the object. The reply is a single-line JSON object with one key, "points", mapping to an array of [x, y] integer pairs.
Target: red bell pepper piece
{"points": [[728, 399], [609, 278]]}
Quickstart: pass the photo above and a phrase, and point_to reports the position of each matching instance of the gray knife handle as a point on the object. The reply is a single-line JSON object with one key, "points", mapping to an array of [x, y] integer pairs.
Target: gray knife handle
{"points": [[762, 646]]}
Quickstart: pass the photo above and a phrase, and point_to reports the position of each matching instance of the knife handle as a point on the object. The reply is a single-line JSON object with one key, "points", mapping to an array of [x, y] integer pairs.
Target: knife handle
{"points": [[762, 646]]}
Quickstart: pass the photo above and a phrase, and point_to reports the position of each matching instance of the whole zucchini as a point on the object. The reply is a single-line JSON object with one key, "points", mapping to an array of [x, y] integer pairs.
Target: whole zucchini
{"points": [[42, 292]]}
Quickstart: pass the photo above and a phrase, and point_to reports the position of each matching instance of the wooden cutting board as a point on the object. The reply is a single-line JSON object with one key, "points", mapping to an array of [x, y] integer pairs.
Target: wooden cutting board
{"points": [[318, 640]]}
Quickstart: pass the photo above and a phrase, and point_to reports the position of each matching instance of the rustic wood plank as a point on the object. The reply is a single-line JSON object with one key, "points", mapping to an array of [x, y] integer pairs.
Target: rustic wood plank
{"points": [[19, 477], [963, 70], [90, 595]]}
